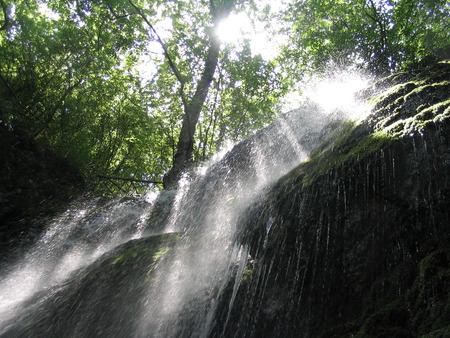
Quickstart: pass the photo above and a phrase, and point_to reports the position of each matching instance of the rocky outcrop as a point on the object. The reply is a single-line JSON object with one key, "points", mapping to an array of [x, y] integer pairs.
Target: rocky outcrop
{"points": [[34, 182], [354, 242], [99, 301]]}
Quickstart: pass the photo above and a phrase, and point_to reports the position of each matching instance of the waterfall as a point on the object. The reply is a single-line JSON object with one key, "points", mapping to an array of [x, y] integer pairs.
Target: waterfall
{"points": [[88, 229], [291, 232], [314, 226], [205, 209]]}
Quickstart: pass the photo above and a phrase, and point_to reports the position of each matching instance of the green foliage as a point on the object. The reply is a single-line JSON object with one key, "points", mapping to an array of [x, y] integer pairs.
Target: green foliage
{"points": [[242, 100], [67, 81], [89, 79], [380, 36]]}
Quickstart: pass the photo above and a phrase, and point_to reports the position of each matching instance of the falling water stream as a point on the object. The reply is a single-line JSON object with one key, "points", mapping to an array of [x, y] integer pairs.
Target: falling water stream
{"points": [[82, 234], [188, 284]]}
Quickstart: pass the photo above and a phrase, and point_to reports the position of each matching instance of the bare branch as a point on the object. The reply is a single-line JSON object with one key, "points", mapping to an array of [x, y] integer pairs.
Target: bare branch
{"points": [[166, 52], [128, 179], [56, 107]]}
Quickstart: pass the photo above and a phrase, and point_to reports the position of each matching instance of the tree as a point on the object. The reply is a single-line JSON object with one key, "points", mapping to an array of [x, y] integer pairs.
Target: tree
{"points": [[193, 107], [67, 80], [380, 36], [90, 80], [4, 23], [203, 50]]}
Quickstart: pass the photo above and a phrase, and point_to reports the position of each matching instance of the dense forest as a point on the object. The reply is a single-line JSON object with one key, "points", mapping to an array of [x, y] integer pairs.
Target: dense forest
{"points": [[313, 224], [141, 90]]}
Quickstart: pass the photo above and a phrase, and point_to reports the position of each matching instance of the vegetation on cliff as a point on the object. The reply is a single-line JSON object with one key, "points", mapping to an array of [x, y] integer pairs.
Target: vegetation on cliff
{"points": [[410, 104]]}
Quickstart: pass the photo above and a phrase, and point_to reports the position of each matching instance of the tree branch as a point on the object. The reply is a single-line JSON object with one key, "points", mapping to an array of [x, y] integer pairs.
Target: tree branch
{"points": [[377, 18], [56, 107], [166, 53], [14, 93], [128, 179], [115, 15], [5, 13]]}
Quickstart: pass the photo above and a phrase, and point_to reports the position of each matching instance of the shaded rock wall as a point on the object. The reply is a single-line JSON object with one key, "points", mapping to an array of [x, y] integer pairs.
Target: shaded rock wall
{"points": [[356, 240], [34, 182]]}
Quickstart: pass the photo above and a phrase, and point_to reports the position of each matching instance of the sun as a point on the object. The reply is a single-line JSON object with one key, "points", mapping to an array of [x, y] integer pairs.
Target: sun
{"points": [[234, 28], [238, 26], [336, 92]]}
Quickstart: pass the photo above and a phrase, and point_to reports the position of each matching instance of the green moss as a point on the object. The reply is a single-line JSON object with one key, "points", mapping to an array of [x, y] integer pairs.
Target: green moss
{"points": [[343, 153], [154, 250], [346, 145], [409, 103], [387, 98], [405, 109], [389, 321], [428, 298], [144, 252], [247, 275], [435, 114]]}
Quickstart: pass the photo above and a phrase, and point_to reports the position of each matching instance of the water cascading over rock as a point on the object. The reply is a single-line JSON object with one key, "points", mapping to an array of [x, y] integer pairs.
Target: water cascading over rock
{"points": [[314, 226]]}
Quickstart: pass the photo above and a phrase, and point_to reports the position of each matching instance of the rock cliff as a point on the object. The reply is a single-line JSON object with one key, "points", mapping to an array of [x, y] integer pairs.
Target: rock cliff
{"points": [[358, 237]]}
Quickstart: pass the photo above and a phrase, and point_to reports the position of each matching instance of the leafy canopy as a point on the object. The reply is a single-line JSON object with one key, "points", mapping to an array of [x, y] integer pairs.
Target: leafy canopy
{"points": [[90, 79], [380, 36]]}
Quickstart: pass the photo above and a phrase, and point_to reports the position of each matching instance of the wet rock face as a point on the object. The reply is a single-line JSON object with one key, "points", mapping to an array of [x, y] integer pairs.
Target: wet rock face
{"points": [[102, 301], [345, 254]]}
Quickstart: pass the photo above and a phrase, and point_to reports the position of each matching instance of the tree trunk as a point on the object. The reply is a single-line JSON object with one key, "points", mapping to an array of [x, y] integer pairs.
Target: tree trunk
{"points": [[185, 147], [192, 110]]}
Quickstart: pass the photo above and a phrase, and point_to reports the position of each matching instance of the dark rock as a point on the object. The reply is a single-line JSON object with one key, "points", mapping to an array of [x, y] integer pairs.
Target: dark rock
{"points": [[360, 248], [34, 183], [98, 301]]}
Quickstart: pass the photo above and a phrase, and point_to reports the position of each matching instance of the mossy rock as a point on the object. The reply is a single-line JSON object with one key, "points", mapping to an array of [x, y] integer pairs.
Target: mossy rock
{"points": [[103, 299], [410, 108], [133, 257], [421, 311], [391, 320], [392, 174], [429, 296]]}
